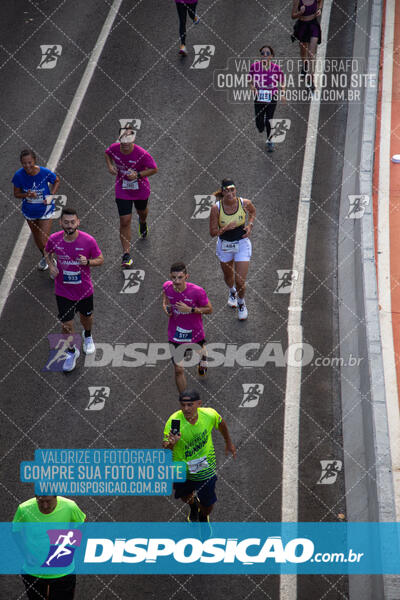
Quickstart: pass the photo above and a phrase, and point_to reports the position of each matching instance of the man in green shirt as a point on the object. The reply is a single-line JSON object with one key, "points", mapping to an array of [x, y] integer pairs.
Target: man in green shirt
{"points": [[39, 584], [193, 445]]}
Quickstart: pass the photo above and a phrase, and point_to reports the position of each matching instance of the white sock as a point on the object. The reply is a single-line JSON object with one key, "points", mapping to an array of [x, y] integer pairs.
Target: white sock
{"points": [[240, 301], [232, 290]]}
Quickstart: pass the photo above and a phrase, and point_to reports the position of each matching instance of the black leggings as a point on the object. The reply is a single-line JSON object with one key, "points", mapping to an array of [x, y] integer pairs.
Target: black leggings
{"points": [[60, 588], [183, 9], [264, 111]]}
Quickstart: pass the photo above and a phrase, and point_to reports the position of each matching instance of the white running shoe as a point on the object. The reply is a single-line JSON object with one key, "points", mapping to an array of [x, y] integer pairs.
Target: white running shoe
{"points": [[42, 264], [242, 312], [232, 300], [88, 344], [70, 361]]}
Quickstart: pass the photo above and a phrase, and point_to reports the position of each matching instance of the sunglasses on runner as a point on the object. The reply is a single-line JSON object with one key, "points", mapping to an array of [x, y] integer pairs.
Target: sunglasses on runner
{"points": [[265, 53]]}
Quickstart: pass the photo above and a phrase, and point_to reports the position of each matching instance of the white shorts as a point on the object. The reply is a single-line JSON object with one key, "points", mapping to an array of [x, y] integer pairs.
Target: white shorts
{"points": [[243, 255], [47, 214]]}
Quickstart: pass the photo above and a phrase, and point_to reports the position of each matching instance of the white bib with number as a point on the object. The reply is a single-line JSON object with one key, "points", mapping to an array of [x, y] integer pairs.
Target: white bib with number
{"points": [[130, 185], [197, 464], [264, 95], [38, 200], [183, 335], [227, 246], [73, 277]]}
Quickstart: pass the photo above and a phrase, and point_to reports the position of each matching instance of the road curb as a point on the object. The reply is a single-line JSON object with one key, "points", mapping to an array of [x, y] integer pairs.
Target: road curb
{"points": [[367, 460]]}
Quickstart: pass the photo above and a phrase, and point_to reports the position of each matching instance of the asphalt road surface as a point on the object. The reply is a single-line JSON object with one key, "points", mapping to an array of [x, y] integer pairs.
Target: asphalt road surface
{"points": [[197, 137]]}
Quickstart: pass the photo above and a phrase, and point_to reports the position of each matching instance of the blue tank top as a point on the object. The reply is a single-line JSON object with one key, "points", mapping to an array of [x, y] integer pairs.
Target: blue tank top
{"points": [[310, 10]]}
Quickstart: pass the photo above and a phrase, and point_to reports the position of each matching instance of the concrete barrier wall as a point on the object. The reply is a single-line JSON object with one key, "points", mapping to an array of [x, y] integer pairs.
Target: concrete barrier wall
{"points": [[367, 461]]}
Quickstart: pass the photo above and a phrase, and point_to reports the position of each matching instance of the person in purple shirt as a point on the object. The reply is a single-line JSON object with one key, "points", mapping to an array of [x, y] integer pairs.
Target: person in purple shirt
{"points": [[185, 304], [184, 8], [307, 31], [266, 80], [75, 253], [131, 165]]}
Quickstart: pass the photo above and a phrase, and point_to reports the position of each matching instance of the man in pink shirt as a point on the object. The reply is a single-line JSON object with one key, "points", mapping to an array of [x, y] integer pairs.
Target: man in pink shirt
{"points": [[185, 304], [75, 252], [132, 166]]}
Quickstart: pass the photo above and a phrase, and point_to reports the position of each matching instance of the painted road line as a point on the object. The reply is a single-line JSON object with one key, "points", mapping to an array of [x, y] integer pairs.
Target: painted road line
{"points": [[384, 246], [290, 468], [22, 240]]}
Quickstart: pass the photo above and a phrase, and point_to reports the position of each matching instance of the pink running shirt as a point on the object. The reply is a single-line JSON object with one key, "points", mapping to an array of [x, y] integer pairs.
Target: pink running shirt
{"points": [[185, 328], [73, 280], [137, 160]]}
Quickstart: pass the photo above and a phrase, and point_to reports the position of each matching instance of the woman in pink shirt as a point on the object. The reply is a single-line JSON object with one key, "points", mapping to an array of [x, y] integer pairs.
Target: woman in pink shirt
{"points": [[266, 81], [184, 8]]}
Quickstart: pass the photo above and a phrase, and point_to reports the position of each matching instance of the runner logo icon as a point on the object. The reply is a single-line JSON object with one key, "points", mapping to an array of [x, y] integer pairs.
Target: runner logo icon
{"points": [[286, 280], [357, 206], [251, 394], [59, 343], [132, 282], [50, 55], [203, 207], [329, 471], [97, 397], [59, 203], [279, 129], [134, 124], [63, 543], [203, 56]]}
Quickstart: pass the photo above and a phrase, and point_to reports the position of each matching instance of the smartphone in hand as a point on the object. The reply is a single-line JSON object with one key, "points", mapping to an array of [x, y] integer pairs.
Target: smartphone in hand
{"points": [[175, 426]]}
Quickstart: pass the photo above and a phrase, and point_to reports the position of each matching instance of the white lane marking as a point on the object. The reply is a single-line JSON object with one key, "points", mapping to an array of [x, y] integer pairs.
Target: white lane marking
{"points": [[58, 149], [290, 469], [384, 280]]}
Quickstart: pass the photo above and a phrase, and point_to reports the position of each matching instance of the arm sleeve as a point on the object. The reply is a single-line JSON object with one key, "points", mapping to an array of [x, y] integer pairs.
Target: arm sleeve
{"points": [[77, 516], [17, 521], [51, 176], [202, 298], [250, 76], [217, 418], [94, 250], [15, 180], [148, 162]]}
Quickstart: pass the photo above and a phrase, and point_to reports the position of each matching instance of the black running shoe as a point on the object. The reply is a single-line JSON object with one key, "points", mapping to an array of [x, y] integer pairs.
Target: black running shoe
{"points": [[202, 368], [126, 261], [193, 516]]}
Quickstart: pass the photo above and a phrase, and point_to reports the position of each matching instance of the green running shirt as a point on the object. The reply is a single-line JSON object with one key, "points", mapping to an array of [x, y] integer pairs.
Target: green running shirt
{"points": [[196, 447], [35, 539]]}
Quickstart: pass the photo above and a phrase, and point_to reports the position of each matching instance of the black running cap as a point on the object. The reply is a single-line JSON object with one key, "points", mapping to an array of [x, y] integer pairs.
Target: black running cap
{"points": [[189, 396], [226, 183]]}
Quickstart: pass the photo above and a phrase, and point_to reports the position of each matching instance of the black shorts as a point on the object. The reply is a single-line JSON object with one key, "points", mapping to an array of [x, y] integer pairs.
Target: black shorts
{"points": [[125, 206], [67, 308], [186, 352], [205, 490]]}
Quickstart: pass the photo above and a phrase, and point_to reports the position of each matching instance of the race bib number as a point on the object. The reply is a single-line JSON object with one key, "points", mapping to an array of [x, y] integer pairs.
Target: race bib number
{"points": [[229, 246], [183, 335], [73, 277], [264, 95], [130, 185], [197, 464], [38, 200]]}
